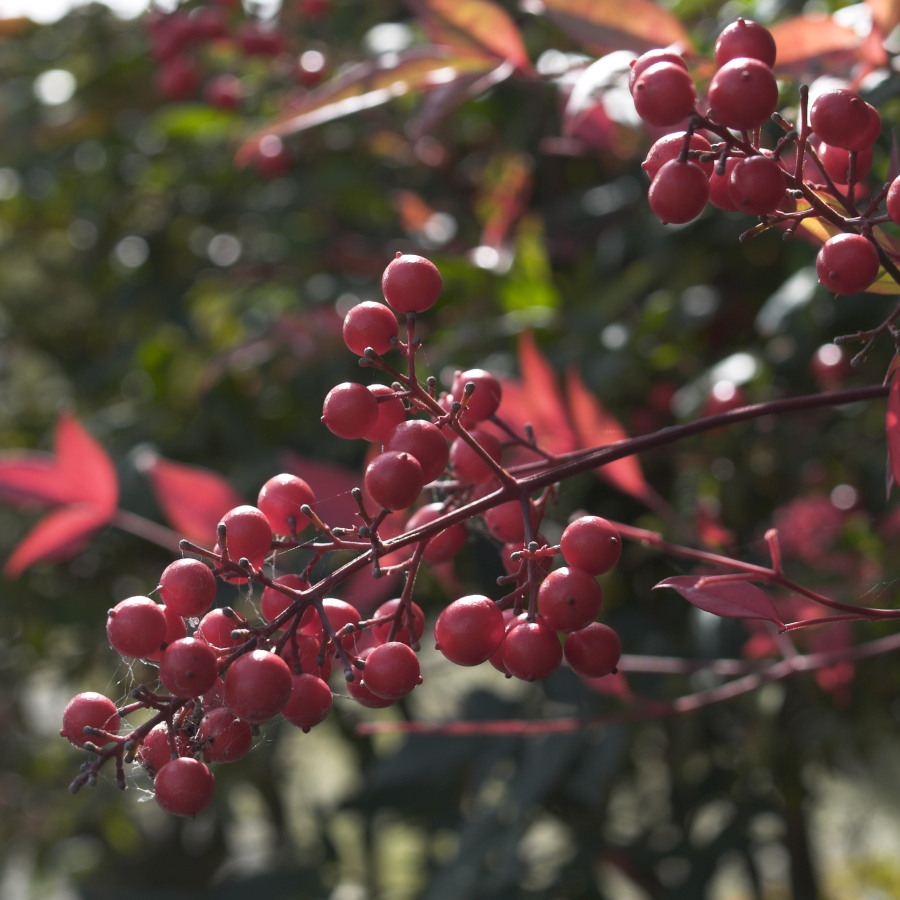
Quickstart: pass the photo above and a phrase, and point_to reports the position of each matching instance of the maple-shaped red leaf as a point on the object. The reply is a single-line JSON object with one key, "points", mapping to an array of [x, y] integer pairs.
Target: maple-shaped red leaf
{"points": [[730, 599], [477, 27], [79, 479], [605, 25], [546, 408], [192, 499], [596, 427], [892, 430]]}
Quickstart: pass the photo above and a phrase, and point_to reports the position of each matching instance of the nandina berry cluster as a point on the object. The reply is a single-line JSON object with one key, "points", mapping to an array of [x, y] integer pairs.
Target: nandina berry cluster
{"points": [[715, 153], [441, 465]]}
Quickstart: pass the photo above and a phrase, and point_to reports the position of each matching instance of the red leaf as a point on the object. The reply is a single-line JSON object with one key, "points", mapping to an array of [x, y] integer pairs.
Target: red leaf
{"points": [[33, 478], [892, 431], [731, 599], [805, 43], [503, 197], [597, 428], [546, 409], [473, 27], [192, 499], [85, 465], [605, 25], [59, 535], [366, 85]]}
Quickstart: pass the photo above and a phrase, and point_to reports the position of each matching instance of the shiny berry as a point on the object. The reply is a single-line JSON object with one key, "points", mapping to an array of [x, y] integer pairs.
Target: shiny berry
{"points": [[847, 263], [411, 283], [184, 786]]}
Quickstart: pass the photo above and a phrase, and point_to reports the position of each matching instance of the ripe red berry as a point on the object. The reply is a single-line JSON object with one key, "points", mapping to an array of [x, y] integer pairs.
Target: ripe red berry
{"points": [[178, 78], [484, 400], [156, 747], [679, 192], [310, 701], [274, 602], [257, 685], [506, 521], [394, 480], [664, 94], [349, 410], [370, 324], [280, 499], [745, 38], [670, 146], [756, 185], [650, 58], [187, 587], [423, 440], [188, 667], [184, 786], [719, 194], [411, 283], [591, 543], [893, 201], [847, 263], [468, 465], [391, 412], [391, 630], [392, 670], [89, 710], [223, 91], [837, 163], [444, 545], [569, 598], [593, 651], [842, 118], [136, 626], [743, 93], [217, 628], [248, 534], [222, 737], [469, 630], [531, 650]]}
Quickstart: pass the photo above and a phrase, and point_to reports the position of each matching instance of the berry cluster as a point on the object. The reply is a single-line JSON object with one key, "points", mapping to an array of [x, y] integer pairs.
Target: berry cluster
{"points": [[440, 463], [813, 170]]}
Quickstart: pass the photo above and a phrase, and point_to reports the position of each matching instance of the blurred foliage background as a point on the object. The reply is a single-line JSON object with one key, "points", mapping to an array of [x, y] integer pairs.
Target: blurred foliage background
{"points": [[178, 303]]}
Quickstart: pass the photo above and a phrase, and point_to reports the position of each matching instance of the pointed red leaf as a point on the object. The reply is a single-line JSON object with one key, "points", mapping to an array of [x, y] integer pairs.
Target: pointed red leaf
{"points": [[605, 25], [192, 499], [892, 431], [731, 599], [85, 465], [59, 535], [598, 428], [477, 27], [366, 85], [804, 43], [546, 409], [34, 478]]}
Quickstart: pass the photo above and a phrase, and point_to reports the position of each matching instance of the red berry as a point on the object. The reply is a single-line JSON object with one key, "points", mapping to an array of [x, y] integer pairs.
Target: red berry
{"points": [[743, 93], [719, 193], [843, 119], [257, 685], [370, 324], [217, 627], [156, 747], [391, 630], [223, 91], [650, 58], [136, 626], [391, 413], [531, 650], [484, 400], [679, 192], [411, 283], [177, 78], [423, 440], [670, 146], [664, 94], [569, 598], [310, 701], [188, 587], [444, 545], [184, 786], [394, 480], [756, 185], [301, 653], [468, 465], [893, 201], [280, 499], [837, 163], [222, 737], [274, 602], [469, 630], [593, 651], [89, 710], [392, 670], [349, 410], [847, 263], [745, 38], [591, 543], [248, 534], [506, 521], [188, 667]]}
